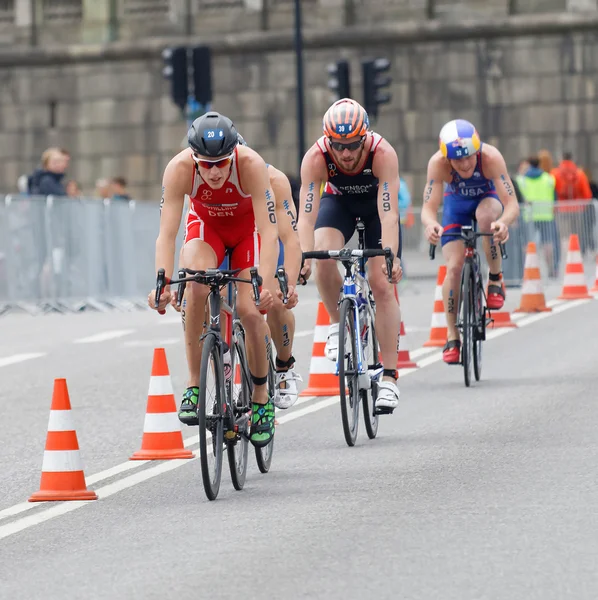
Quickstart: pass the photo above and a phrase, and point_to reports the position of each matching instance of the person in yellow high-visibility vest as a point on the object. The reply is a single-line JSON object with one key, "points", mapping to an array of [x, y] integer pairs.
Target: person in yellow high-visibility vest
{"points": [[539, 193]]}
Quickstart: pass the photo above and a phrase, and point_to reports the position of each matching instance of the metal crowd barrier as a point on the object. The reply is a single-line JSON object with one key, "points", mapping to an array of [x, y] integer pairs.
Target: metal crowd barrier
{"points": [[61, 254]]}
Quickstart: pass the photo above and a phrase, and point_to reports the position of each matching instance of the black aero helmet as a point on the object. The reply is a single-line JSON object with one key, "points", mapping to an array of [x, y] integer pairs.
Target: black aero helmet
{"points": [[212, 134]]}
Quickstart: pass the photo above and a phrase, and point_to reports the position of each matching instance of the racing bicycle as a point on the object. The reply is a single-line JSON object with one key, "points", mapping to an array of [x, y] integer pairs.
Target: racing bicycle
{"points": [[358, 363], [473, 314]]}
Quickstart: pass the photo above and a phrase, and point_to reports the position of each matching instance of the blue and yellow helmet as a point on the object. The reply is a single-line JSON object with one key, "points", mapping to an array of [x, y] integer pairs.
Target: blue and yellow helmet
{"points": [[459, 139]]}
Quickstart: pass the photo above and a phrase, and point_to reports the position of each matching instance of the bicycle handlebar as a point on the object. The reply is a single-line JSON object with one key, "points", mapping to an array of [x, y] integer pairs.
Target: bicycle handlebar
{"points": [[347, 254], [503, 250]]}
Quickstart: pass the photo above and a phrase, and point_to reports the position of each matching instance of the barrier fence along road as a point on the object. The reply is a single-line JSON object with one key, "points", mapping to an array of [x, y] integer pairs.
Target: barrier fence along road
{"points": [[68, 254]]}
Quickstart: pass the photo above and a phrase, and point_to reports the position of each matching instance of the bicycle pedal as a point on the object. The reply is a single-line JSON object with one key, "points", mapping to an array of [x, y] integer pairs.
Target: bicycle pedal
{"points": [[383, 410]]}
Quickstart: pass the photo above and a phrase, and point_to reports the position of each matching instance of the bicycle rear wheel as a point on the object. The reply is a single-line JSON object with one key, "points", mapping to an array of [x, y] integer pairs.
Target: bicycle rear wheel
{"points": [[211, 417], [240, 401], [263, 456], [348, 370], [371, 359], [480, 327], [468, 321]]}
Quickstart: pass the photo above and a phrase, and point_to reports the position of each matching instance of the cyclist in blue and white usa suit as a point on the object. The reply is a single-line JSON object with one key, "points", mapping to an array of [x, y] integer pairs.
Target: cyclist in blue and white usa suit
{"points": [[478, 189]]}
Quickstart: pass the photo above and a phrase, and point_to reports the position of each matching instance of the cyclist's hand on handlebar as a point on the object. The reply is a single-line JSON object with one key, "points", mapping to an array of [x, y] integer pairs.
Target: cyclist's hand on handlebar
{"points": [[397, 270], [165, 298], [305, 271], [266, 300], [292, 297], [433, 232], [501, 231]]}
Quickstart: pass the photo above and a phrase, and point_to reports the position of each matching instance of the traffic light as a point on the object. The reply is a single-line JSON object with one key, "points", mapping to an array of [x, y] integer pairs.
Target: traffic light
{"points": [[339, 81], [373, 93], [202, 74], [175, 69]]}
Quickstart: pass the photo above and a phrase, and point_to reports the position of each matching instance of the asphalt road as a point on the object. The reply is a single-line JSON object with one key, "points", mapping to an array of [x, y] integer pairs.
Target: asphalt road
{"points": [[481, 493]]}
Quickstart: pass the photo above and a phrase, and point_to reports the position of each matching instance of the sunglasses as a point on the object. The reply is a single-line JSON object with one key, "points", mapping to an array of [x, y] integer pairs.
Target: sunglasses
{"points": [[219, 163], [339, 146]]}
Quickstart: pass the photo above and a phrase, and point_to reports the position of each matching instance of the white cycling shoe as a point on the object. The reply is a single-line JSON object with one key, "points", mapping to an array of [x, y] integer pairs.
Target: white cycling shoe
{"points": [[331, 348], [286, 388], [388, 396]]}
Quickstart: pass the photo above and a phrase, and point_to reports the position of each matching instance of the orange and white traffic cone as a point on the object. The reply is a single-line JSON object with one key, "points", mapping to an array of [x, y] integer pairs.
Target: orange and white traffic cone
{"points": [[322, 378], [574, 284], [532, 293], [439, 330], [404, 359], [501, 319], [162, 436], [595, 288], [62, 471]]}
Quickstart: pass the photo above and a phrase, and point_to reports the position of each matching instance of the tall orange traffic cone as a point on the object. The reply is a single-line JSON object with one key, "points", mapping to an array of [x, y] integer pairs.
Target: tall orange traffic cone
{"points": [[532, 293], [162, 436], [404, 359], [439, 330], [595, 288], [574, 285], [62, 471], [322, 378]]}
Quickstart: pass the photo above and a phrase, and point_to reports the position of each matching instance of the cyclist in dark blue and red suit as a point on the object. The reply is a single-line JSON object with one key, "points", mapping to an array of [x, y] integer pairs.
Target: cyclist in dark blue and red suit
{"points": [[478, 189]]}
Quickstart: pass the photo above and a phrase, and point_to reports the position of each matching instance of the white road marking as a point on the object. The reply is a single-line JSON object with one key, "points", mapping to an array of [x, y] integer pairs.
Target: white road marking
{"points": [[17, 358], [152, 343], [104, 336], [306, 333], [122, 484], [421, 352]]}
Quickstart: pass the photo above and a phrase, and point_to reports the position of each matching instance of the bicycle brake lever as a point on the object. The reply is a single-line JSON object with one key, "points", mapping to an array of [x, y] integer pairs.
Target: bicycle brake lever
{"points": [[432, 251], [503, 250], [282, 282], [181, 290], [256, 282], [160, 282]]}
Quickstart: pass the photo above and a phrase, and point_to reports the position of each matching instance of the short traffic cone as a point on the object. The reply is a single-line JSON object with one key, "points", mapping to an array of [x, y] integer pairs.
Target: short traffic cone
{"points": [[532, 293], [574, 285], [62, 471], [595, 288], [438, 331], [501, 319], [322, 378], [162, 436]]}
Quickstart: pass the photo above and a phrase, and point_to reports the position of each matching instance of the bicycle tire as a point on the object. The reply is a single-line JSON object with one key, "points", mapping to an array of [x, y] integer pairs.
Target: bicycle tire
{"points": [[238, 448], [215, 441], [368, 397], [480, 327], [467, 322], [348, 375], [263, 455]]}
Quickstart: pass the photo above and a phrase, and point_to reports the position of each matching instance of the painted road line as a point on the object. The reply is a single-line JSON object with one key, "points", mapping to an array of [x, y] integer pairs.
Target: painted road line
{"points": [[152, 343], [17, 358], [40, 517], [104, 336]]}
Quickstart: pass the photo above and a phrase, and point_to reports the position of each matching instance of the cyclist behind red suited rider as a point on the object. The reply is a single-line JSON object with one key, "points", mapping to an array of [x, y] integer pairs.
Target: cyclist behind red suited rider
{"points": [[360, 170], [231, 207], [478, 187]]}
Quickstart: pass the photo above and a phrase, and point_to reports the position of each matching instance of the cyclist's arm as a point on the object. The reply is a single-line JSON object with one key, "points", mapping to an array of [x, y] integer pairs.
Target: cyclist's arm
{"points": [[433, 190], [257, 183], [386, 169], [495, 168], [287, 224], [313, 173], [175, 184]]}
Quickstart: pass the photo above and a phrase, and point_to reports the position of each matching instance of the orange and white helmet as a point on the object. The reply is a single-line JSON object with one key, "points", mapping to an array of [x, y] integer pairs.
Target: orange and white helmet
{"points": [[346, 118]]}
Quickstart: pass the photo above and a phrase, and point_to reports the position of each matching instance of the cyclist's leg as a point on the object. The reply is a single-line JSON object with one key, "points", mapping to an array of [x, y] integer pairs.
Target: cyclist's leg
{"points": [[456, 213], [489, 209], [388, 315], [202, 250], [257, 334], [281, 322], [334, 227]]}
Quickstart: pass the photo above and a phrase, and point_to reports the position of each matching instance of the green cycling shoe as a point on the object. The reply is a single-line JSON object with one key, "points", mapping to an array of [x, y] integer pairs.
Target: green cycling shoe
{"points": [[188, 409], [262, 423]]}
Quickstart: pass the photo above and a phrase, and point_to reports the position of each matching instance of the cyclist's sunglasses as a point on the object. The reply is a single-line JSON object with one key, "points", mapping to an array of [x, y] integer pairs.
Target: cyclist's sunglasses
{"points": [[339, 146], [219, 163]]}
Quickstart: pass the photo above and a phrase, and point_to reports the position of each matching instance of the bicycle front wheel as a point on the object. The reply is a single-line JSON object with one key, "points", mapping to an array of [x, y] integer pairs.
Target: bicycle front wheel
{"points": [[371, 359], [211, 417], [468, 321], [240, 394], [263, 455], [348, 371], [480, 327]]}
